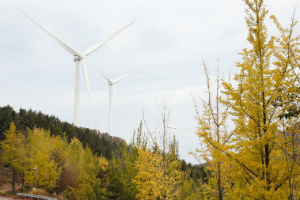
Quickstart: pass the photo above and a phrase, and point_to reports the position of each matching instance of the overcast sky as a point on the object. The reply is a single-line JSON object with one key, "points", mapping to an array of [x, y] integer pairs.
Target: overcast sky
{"points": [[169, 39]]}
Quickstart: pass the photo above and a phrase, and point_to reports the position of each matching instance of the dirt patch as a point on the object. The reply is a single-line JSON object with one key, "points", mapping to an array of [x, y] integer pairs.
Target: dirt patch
{"points": [[4, 198]]}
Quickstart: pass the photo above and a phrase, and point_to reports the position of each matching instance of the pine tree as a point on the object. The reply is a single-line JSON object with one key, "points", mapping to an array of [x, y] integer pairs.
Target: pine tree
{"points": [[121, 170]]}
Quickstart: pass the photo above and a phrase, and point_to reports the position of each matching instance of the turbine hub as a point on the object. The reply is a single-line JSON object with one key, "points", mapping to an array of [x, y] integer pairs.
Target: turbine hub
{"points": [[76, 58]]}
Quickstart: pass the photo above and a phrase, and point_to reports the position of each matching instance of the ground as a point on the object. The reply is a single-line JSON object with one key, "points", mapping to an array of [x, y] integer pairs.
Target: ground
{"points": [[4, 198]]}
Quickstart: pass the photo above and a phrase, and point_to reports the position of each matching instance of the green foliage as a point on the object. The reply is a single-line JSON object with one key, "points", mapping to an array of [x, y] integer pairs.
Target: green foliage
{"points": [[122, 170], [88, 184], [174, 149], [192, 190], [7, 116]]}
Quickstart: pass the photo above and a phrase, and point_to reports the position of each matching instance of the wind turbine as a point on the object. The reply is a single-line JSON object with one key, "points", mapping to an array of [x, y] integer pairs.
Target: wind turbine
{"points": [[78, 57], [111, 84]]}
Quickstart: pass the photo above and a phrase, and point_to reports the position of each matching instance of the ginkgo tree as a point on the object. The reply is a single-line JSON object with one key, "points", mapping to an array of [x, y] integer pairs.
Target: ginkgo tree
{"points": [[39, 146], [14, 152], [151, 181], [159, 175], [263, 86], [213, 134], [287, 55]]}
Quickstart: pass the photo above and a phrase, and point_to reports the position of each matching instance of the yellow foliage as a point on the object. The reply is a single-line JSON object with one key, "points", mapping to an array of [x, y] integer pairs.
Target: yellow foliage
{"points": [[152, 181], [262, 105], [260, 161], [13, 152], [39, 147], [215, 140], [13, 149]]}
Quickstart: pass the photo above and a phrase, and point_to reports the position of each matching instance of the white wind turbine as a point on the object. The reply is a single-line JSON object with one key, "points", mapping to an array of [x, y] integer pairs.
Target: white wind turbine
{"points": [[77, 58], [112, 93]]}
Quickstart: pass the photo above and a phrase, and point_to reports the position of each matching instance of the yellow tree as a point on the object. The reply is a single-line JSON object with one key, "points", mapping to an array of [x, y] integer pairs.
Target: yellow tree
{"points": [[13, 152], [151, 181], [287, 58], [213, 135], [39, 145], [262, 85]]}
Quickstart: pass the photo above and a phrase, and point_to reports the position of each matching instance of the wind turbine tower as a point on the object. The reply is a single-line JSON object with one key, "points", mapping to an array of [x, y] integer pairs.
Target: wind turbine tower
{"points": [[112, 96]]}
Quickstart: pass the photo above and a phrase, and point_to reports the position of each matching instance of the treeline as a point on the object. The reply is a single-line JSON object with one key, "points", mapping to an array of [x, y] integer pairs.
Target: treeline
{"points": [[100, 143]]}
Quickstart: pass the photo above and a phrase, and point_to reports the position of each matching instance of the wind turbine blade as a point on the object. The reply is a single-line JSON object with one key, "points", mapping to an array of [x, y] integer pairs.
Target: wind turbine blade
{"points": [[118, 79], [87, 83], [108, 79], [173, 127], [96, 46], [62, 43]]}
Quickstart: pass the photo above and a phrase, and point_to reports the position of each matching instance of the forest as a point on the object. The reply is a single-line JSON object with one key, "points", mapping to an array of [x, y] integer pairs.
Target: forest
{"points": [[256, 159], [44, 141]]}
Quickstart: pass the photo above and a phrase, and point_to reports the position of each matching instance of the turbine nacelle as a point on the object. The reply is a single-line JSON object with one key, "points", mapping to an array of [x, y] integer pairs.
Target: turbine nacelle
{"points": [[77, 58]]}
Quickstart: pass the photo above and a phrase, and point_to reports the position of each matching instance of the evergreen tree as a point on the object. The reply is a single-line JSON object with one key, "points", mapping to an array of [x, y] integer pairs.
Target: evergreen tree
{"points": [[7, 116]]}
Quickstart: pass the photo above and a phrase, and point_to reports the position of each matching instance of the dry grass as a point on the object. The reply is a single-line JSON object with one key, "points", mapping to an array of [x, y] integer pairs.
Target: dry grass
{"points": [[59, 197], [39, 192]]}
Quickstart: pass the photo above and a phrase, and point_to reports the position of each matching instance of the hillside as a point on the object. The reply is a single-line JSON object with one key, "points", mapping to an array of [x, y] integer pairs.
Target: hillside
{"points": [[100, 143]]}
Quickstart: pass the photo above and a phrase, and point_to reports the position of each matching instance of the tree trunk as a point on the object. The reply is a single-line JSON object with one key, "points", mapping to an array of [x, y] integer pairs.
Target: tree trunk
{"points": [[219, 183], [13, 181], [22, 183]]}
